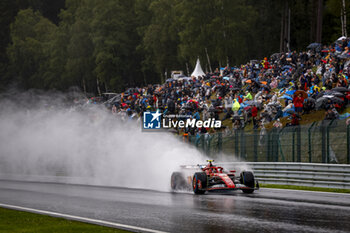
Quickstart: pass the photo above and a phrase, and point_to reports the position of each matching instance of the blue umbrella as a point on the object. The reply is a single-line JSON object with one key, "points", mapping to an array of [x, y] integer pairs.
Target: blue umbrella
{"points": [[290, 92], [286, 67], [250, 102], [282, 90], [314, 46], [290, 111], [286, 97], [344, 56], [243, 105], [226, 78]]}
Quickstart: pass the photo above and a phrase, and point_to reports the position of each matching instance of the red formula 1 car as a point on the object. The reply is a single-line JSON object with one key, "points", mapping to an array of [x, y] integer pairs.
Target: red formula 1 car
{"points": [[202, 178]]}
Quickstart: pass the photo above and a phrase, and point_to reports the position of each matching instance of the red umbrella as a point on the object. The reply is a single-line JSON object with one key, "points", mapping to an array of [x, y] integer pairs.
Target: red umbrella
{"points": [[303, 94]]}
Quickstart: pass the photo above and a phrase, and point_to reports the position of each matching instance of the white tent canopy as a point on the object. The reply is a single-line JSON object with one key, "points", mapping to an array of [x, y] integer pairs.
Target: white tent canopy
{"points": [[198, 70], [342, 38]]}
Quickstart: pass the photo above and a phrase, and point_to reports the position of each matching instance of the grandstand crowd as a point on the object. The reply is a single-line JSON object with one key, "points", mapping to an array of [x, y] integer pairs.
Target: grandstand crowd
{"points": [[285, 85]]}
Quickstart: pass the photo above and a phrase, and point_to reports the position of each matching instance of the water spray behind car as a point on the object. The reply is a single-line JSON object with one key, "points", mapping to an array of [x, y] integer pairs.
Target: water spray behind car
{"points": [[43, 137]]}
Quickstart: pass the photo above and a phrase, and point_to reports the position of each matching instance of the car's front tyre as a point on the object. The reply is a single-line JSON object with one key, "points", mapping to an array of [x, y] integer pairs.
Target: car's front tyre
{"points": [[247, 178]]}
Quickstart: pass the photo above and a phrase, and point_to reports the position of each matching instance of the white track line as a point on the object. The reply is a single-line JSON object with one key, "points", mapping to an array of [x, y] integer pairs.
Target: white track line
{"points": [[82, 219]]}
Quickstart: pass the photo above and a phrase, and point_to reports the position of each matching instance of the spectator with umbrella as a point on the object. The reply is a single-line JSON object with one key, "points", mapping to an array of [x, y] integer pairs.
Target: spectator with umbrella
{"points": [[330, 115], [309, 105], [294, 120], [248, 96], [279, 113], [298, 102], [278, 124]]}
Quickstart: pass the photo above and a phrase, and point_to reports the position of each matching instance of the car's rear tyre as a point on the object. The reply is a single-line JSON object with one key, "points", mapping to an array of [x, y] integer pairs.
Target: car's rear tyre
{"points": [[247, 178], [199, 182], [177, 181]]}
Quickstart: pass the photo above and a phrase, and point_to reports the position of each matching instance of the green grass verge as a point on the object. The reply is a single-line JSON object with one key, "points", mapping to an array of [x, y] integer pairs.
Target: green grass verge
{"points": [[277, 186], [17, 221]]}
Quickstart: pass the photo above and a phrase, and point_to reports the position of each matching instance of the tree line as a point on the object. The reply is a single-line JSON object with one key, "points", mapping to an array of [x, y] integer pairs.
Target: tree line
{"points": [[110, 45]]}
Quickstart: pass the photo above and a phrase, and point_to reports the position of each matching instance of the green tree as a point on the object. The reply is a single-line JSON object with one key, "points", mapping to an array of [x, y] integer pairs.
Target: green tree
{"points": [[79, 60], [332, 26], [265, 31], [28, 54], [143, 18], [223, 27], [8, 9], [160, 38], [113, 35]]}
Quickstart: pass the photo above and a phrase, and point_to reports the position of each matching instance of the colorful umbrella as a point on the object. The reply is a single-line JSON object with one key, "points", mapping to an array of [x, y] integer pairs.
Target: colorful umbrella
{"points": [[303, 93], [286, 97], [290, 92]]}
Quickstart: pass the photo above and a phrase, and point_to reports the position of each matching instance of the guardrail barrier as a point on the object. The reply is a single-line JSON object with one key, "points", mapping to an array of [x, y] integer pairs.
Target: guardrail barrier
{"points": [[301, 174]]}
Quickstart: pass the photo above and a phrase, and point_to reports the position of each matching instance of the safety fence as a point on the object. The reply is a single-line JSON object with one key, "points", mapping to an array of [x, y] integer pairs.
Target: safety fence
{"points": [[319, 142], [301, 174]]}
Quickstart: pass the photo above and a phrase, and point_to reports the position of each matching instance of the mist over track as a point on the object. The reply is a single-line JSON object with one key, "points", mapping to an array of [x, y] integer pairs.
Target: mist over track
{"points": [[43, 135]]}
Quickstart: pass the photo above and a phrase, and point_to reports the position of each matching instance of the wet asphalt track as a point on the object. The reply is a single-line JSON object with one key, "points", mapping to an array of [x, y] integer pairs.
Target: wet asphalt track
{"points": [[264, 211]]}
